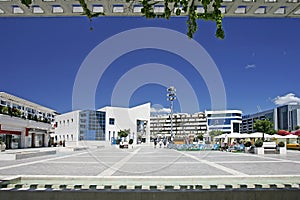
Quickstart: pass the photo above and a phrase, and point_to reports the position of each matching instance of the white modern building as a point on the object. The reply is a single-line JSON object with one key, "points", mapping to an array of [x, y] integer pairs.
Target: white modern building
{"points": [[23, 123], [103, 125], [229, 8], [66, 127], [226, 121], [137, 119]]}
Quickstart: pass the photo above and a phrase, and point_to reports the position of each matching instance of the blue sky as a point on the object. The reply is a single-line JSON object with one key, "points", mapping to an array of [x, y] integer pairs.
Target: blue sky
{"points": [[258, 60]]}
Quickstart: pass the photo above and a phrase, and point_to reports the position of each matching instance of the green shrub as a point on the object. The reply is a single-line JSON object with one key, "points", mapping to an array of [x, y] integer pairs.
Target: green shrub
{"points": [[258, 143], [248, 144], [281, 144]]}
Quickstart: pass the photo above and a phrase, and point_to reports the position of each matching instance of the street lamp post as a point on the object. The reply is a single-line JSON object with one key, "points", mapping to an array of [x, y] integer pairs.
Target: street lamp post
{"points": [[171, 97]]}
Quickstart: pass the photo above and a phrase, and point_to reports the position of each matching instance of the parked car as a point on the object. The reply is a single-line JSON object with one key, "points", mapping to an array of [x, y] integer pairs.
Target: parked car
{"points": [[295, 146]]}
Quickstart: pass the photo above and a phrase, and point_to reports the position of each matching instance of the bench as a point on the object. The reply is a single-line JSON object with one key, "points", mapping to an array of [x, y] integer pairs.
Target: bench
{"points": [[270, 146]]}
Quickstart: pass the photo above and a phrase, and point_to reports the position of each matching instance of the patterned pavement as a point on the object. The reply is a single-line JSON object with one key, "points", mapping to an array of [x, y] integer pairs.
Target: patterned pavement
{"points": [[160, 164]]}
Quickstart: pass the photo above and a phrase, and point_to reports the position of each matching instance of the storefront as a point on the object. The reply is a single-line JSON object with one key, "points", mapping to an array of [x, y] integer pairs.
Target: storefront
{"points": [[18, 133], [12, 139], [36, 138]]}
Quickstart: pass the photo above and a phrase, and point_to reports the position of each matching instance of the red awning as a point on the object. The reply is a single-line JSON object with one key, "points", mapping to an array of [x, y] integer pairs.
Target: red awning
{"points": [[283, 132], [297, 132]]}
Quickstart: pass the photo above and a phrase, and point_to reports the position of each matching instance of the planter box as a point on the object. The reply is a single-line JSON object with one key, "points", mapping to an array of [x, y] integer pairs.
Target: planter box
{"points": [[282, 150], [247, 149], [259, 150], [2, 147]]}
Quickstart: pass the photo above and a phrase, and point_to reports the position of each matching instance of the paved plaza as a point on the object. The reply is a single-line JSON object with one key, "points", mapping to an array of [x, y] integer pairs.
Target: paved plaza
{"points": [[147, 161]]}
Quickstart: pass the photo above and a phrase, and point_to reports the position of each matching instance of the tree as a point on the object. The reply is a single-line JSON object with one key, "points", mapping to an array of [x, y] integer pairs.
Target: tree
{"points": [[264, 126], [124, 133], [178, 7], [5, 110], [200, 137], [215, 133]]}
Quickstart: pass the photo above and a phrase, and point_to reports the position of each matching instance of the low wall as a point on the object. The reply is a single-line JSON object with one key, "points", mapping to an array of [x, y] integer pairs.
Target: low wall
{"points": [[234, 194], [87, 144]]}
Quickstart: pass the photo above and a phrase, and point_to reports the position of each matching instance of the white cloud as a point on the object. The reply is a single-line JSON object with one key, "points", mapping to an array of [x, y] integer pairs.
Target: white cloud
{"points": [[250, 66], [289, 98], [157, 111]]}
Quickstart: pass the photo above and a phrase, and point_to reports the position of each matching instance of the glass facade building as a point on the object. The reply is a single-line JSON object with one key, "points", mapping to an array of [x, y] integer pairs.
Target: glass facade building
{"points": [[286, 117], [226, 121], [92, 125]]}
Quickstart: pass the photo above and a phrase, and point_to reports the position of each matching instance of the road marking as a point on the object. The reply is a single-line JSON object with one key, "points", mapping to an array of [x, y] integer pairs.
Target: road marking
{"points": [[111, 170], [215, 165], [280, 159], [40, 161]]}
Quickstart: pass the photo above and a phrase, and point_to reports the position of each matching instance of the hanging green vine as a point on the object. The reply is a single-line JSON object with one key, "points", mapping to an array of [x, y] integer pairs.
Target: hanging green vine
{"points": [[181, 7], [87, 12], [178, 7], [26, 3]]}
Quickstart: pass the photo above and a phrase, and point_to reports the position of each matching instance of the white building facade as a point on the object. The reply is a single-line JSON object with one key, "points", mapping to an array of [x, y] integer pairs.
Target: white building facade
{"points": [[67, 127], [24, 124], [226, 121], [183, 125], [136, 119], [103, 125]]}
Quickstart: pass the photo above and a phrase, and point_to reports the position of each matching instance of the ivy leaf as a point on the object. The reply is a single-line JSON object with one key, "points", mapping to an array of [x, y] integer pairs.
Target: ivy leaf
{"points": [[178, 12], [26, 3]]}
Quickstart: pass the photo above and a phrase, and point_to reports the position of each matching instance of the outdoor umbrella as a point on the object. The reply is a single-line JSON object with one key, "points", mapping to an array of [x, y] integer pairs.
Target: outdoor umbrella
{"points": [[283, 132]]}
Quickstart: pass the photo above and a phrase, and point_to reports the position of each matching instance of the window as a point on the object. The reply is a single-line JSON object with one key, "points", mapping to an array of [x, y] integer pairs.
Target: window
{"points": [[111, 121], [3, 102], [118, 8]]}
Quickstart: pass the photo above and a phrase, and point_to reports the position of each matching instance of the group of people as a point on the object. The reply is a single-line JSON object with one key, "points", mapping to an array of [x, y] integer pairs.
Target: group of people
{"points": [[161, 142]]}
